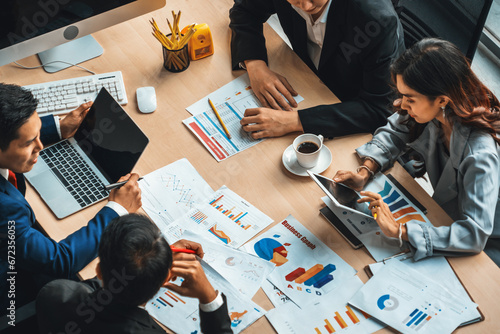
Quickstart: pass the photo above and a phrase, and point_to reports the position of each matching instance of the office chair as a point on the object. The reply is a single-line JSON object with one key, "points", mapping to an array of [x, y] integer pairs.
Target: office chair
{"points": [[458, 21]]}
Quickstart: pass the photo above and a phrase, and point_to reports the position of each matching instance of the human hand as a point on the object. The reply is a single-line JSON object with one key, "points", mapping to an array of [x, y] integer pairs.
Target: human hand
{"points": [[187, 244], [128, 195], [270, 87], [265, 122], [72, 121], [195, 283], [383, 216], [356, 181]]}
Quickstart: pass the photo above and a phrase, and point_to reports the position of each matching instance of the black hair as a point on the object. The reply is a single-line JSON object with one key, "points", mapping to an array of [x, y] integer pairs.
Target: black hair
{"points": [[434, 67], [17, 105], [132, 246]]}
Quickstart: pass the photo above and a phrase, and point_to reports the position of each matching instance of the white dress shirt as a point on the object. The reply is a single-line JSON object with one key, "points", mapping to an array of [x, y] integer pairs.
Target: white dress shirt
{"points": [[315, 32]]}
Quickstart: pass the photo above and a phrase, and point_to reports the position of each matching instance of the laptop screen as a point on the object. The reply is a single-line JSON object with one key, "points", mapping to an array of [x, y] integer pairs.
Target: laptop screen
{"points": [[110, 138]]}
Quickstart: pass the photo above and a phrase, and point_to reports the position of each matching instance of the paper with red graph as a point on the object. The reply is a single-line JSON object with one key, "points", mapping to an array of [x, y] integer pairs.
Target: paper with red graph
{"points": [[331, 315], [181, 314]]}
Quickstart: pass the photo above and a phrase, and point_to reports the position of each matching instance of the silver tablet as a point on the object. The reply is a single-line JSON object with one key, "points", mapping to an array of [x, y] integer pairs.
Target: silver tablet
{"points": [[341, 195]]}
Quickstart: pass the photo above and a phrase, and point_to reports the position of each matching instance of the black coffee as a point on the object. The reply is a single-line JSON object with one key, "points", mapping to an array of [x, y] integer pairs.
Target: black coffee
{"points": [[308, 147]]}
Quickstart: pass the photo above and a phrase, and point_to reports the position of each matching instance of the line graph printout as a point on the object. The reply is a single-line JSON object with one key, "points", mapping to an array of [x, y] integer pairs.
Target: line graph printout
{"points": [[181, 314], [171, 191], [231, 102], [410, 301], [306, 269], [224, 217], [331, 315], [244, 271]]}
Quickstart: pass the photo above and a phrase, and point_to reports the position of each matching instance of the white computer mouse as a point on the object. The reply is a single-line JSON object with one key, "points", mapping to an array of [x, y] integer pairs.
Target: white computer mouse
{"points": [[146, 99]]}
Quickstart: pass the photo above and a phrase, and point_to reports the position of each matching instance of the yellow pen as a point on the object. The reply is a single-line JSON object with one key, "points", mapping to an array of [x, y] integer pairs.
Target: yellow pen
{"points": [[220, 119]]}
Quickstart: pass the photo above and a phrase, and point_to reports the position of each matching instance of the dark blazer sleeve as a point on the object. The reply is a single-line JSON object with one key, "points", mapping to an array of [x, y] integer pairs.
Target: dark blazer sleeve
{"points": [[216, 322], [48, 134], [247, 38], [373, 104], [64, 259]]}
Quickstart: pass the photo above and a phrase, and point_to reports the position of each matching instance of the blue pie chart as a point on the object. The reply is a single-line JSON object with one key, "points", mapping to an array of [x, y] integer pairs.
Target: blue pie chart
{"points": [[387, 302], [265, 248]]}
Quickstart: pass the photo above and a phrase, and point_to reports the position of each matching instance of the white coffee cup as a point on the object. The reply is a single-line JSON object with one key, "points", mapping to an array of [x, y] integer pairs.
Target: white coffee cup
{"points": [[305, 158]]}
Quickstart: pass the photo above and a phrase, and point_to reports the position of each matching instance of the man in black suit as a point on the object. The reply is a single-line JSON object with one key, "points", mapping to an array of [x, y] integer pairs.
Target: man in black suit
{"points": [[349, 44], [135, 261]]}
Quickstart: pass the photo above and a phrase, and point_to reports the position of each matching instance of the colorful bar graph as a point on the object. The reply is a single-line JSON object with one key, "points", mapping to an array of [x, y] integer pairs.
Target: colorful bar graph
{"points": [[339, 320], [214, 202], [198, 217], [322, 274], [403, 212], [329, 327], [159, 301], [392, 197], [165, 302], [295, 274], [351, 315], [309, 273], [387, 190], [317, 331], [399, 204], [423, 323], [323, 281], [241, 217], [411, 217], [174, 297]]}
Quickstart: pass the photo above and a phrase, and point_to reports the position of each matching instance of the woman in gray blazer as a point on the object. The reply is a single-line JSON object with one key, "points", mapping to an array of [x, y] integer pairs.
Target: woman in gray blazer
{"points": [[452, 121]]}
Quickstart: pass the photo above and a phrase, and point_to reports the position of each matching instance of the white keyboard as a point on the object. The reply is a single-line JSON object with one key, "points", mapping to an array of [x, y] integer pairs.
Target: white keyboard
{"points": [[60, 97]]}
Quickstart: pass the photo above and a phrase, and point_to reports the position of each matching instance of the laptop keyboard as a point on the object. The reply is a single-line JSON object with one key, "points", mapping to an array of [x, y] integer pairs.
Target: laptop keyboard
{"points": [[74, 173]]}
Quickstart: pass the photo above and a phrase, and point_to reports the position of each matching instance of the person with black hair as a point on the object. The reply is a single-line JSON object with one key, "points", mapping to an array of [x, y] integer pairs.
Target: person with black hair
{"points": [[349, 44], [135, 261], [39, 258], [452, 121]]}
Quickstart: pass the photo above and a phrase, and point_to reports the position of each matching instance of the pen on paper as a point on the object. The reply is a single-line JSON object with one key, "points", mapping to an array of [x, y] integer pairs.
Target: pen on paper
{"points": [[112, 186], [182, 250], [219, 118]]}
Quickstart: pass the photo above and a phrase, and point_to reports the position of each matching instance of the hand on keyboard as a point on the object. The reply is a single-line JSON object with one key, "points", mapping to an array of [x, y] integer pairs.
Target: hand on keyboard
{"points": [[72, 121], [128, 195]]}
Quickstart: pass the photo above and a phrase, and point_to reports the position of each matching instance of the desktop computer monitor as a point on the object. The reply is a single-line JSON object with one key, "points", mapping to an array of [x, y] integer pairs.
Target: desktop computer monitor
{"points": [[32, 26]]}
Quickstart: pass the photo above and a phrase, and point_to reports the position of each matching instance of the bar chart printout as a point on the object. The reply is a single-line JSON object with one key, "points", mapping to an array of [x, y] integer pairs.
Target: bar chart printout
{"points": [[330, 315], [231, 101], [411, 302], [181, 314], [306, 269], [238, 210]]}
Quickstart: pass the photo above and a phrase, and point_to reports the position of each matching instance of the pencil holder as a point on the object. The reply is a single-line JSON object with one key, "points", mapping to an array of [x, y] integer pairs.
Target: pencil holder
{"points": [[176, 60]]}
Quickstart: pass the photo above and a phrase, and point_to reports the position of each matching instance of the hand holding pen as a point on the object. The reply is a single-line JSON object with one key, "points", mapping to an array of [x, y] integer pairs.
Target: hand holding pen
{"points": [[127, 195]]}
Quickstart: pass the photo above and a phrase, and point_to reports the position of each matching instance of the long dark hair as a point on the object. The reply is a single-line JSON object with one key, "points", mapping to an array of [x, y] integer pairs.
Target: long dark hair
{"points": [[435, 67]]}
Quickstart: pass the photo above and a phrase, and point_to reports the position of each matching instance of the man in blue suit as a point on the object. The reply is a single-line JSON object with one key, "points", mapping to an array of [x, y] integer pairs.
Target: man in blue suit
{"points": [[28, 258]]}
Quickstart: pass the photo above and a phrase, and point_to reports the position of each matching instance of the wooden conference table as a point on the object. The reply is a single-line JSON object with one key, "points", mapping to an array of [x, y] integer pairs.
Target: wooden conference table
{"points": [[256, 174]]}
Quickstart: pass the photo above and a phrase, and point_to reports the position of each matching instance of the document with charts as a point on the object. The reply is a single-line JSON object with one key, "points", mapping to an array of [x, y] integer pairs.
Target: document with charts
{"points": [[171, 191], [410, 301], [331, 315], [181, 314], [306, 269], [244, 271], [223, 217], [231, 101]]}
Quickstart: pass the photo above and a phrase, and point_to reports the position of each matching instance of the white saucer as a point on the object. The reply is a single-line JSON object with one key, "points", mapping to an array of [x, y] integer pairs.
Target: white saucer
{"points": [[291, 164]]}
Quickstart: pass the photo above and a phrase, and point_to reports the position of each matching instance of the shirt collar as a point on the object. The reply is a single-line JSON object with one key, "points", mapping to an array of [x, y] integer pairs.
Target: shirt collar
{"points": [[5, 173]]}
